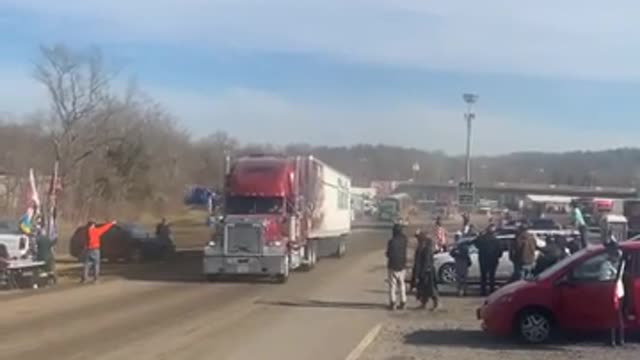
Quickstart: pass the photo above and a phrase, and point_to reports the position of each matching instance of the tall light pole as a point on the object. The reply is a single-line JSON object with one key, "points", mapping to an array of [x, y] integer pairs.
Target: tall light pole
{"points": [[470, 99], [416, 170]]}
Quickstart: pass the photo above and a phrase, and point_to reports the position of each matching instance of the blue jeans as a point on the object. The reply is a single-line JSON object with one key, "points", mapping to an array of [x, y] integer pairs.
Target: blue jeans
{"points": [[526, 272], [91, 263]]}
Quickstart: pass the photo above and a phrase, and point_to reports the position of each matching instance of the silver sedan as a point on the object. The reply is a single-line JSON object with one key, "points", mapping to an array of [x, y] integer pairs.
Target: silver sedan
{"points": [[446, 269]]}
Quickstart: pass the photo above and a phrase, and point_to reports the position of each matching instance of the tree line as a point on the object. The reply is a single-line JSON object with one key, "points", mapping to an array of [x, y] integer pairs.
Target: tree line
{"points": [[121, 153]]}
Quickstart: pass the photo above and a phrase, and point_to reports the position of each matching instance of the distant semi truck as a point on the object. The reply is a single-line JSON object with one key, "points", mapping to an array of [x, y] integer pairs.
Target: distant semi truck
{"points": [[277, 213]]}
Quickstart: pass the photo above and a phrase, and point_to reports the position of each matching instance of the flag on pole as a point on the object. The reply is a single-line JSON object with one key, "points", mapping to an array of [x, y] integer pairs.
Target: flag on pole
{"points": [[34, 191], [54, 189], [26, 222]]}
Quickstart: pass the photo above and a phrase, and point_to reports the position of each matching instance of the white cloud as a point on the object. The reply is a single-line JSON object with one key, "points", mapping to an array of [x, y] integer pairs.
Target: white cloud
{"points": [[576, 38], [255, 116]]}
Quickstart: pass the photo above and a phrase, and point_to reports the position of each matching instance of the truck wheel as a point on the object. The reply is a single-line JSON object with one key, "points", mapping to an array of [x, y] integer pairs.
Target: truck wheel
{"points": [[341, 248], [284, 277], [312, 256]]}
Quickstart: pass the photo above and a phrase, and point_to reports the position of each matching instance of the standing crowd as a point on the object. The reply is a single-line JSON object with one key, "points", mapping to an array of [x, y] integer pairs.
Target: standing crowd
{"points": [[523, 253]]}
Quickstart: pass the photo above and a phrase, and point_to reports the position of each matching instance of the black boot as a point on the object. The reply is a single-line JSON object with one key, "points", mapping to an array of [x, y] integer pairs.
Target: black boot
{"points": [[621, 336], [612, 339]]}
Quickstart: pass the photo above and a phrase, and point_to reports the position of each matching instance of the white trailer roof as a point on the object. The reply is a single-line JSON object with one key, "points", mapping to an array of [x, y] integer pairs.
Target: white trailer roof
{"points": [[549, 199], [613, 218]]}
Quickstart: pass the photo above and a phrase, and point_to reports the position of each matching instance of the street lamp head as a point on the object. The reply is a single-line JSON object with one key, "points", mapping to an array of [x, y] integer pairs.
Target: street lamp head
{"points": [[470, 98]]}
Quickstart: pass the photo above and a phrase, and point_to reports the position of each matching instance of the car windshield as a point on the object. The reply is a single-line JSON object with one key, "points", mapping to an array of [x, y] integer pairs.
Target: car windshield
{"points": [[240, 205], [559, 265], [388, 205], [135, 229], [8, 227], [544, 225]]}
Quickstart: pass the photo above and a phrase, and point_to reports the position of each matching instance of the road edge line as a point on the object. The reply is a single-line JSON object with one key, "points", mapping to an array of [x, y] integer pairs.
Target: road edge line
{"points": [[364, 343]]}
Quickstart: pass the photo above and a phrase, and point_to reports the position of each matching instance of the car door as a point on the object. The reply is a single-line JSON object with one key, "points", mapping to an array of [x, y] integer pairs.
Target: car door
{"points": [[474, 269], [505, 266], [632, 288], [582, 299]]}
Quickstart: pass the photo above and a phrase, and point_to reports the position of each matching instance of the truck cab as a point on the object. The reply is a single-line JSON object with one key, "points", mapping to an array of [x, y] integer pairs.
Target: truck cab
{"points": [[612, 225], [273, 214]]}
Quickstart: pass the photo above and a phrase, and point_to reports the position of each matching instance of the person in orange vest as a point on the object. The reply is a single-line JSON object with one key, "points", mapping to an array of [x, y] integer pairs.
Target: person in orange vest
{"points": [[92, 249]]}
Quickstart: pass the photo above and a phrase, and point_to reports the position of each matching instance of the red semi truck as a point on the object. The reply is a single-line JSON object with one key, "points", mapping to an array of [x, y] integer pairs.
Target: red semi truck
{"points": [[279, 214]]}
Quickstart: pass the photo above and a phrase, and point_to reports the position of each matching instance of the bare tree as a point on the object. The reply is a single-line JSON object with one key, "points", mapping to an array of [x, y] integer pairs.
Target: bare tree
{"points": [[78, 84]]}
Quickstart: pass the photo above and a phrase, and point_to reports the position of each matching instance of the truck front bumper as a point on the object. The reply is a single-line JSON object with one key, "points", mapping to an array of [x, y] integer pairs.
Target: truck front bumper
{"points": [[244, 265]]}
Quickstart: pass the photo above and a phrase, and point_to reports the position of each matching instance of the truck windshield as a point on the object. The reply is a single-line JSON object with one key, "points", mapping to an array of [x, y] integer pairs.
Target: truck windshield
{"points": [[632, 212], [388, 205], [239, 205]]}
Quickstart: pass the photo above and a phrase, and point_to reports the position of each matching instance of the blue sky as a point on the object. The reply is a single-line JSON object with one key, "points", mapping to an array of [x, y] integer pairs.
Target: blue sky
{"points": [[550, 76]]}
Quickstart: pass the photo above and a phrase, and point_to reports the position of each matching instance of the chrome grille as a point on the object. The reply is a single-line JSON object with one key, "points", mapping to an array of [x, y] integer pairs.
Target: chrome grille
{"points": [[243, 239]]}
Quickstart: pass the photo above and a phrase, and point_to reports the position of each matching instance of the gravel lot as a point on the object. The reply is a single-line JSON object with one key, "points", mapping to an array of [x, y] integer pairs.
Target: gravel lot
{"points": [[454, 334]]}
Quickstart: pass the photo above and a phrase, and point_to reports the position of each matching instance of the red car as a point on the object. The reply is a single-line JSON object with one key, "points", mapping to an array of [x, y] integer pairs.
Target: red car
{"points": [[572, 295]]}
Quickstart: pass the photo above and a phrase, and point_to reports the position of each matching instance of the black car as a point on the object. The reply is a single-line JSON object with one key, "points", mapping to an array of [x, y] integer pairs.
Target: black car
{"points": [[124, 241], [545, 224]]}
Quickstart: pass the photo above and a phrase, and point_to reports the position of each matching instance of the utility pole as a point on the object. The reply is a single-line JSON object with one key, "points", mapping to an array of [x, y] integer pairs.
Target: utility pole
{"points": [[470, 99]]}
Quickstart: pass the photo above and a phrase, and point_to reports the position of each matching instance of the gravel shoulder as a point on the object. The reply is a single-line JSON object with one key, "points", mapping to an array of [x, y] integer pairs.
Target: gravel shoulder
{"points": [[454, 334]]}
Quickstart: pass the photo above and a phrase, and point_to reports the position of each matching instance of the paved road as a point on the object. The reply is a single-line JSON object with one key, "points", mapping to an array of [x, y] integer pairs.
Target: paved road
{"points": [[166, 312]]}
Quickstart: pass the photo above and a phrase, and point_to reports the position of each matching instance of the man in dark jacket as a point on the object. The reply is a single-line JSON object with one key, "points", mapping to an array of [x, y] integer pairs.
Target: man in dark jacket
{"points": [[553, 252], [460, 253], [163, 231], [514, 255], [423, 277], [396, 267], [489, 253]]}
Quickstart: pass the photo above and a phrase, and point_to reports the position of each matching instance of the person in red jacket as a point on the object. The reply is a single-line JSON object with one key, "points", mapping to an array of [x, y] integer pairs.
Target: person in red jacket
{"points": [[92, 249]]}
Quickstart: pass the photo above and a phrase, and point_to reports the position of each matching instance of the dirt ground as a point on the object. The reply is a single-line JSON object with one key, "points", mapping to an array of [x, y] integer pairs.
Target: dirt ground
{"points": [[165, 310], [454, 334]]}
